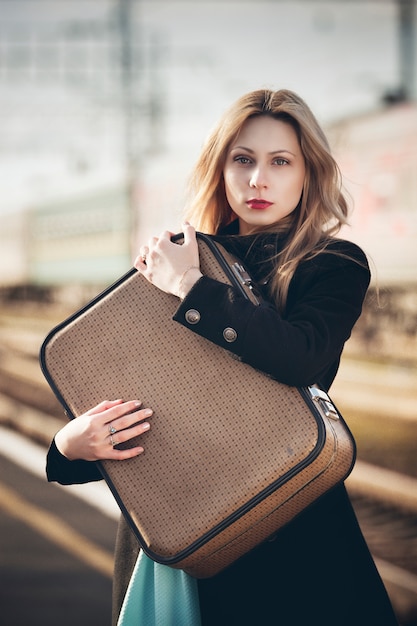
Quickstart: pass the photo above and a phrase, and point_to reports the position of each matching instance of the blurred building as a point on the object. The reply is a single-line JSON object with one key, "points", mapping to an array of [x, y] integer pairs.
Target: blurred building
{"points": [[377, 153]]}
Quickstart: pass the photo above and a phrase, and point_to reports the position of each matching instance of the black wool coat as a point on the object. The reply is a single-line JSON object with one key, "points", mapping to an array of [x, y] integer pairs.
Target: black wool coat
{"points": [[318, 569]]}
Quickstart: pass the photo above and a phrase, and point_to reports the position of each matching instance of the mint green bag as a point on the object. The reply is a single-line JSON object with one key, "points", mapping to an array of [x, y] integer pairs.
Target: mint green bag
{"points": [[158, 595]]}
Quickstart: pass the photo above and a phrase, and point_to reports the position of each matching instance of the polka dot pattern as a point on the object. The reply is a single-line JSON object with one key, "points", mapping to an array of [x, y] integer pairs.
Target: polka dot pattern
{"points": [[222, 433]]}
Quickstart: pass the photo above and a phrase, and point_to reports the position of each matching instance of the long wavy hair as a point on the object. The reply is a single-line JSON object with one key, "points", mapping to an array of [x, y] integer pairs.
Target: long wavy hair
{"points": [[322, 209]]}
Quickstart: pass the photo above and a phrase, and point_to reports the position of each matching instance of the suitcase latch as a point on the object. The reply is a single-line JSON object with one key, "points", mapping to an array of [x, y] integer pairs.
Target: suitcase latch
{"points": [[324, 402], [245, 280], [242, 275]]}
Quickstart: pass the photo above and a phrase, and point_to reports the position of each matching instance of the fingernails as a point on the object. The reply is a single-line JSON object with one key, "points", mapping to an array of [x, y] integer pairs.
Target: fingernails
{"points": [[146, 426], [147, 412]]}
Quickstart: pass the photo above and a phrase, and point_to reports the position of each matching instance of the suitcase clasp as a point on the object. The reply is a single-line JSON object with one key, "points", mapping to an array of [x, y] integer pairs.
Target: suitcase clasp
{"points": [[242, 275], [324, 402], [245, 280]]}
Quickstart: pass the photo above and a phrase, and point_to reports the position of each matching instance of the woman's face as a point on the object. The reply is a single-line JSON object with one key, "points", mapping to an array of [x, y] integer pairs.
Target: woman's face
{"points": [[264, 173]]}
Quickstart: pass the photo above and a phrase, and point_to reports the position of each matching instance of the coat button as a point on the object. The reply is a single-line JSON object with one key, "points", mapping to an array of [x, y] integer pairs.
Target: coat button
{"points": [[192, 316], [230, 334]]}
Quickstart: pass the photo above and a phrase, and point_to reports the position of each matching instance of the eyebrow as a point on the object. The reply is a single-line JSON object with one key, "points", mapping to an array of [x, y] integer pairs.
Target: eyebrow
{"points": [[271, 153]]}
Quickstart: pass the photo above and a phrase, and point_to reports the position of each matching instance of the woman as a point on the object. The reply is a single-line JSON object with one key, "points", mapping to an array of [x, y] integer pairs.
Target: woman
{"points": [[267, 186]]}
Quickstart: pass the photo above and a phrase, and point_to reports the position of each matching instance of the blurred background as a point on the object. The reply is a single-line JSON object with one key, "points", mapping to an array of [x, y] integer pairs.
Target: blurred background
{"points": [[104, 105]]}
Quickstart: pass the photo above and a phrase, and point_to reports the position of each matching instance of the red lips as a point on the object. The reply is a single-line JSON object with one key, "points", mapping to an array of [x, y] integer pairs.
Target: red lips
{"points": [[258, 204]]}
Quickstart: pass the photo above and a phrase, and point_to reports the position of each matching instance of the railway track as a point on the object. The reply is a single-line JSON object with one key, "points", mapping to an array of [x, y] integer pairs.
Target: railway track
{"points": [[385, 501]]}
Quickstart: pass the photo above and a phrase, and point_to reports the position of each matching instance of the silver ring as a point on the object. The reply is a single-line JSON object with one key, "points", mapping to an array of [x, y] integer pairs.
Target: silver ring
{"points": [[113, 442], [112, 429]]}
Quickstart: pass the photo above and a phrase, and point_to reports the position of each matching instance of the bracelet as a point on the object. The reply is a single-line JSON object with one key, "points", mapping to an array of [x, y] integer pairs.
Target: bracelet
{"points": [[183, 275]]}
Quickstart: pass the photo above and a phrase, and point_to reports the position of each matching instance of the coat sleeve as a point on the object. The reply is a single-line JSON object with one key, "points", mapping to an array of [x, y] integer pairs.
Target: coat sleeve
{"points": [[60, 469], [324, 301]]}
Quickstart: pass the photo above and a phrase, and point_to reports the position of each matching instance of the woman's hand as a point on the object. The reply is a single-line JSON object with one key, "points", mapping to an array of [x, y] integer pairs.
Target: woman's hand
{"points": [[93, 435], [171, 267]]}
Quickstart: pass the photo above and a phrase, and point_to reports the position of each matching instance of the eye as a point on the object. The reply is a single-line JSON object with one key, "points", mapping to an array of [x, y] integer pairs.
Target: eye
{"points": [[280, 161], [243, 160]]}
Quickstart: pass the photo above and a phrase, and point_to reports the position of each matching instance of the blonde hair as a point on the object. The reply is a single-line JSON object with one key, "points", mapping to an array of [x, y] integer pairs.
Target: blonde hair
{"points": [[322, 209]]}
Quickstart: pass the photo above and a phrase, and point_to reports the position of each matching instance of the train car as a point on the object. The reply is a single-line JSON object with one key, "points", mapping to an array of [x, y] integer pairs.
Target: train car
{"points": [[84, 239]]}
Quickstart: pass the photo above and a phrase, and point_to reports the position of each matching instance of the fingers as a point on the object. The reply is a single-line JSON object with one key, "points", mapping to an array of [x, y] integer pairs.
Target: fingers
{"points": [[163, 242], [126, 416], [189, 234], [164, 263], [123, 436], [123, 423], [112, 409], [91, 436], [111, 423], [141, 260], [122, 455], [103, 406]]}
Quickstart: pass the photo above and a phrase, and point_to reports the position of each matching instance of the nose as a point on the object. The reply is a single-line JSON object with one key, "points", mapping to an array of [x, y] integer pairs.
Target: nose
{"points": [[258, 178]]}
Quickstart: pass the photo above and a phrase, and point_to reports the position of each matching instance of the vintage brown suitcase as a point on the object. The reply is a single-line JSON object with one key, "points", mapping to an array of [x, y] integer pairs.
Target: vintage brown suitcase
{"points": [[232, 455]]}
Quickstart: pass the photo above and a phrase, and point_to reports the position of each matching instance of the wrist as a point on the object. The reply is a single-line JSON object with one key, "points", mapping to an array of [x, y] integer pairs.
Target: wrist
{"points": [[61, 445], [188, 279]]}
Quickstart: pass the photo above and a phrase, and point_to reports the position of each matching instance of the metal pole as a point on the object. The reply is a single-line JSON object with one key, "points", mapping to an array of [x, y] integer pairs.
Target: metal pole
{"points": [[407, 48], [126, 18]]}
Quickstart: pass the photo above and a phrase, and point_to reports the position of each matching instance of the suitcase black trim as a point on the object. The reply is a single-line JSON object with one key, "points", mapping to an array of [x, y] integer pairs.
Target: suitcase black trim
{"points": [[303, 391]]}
